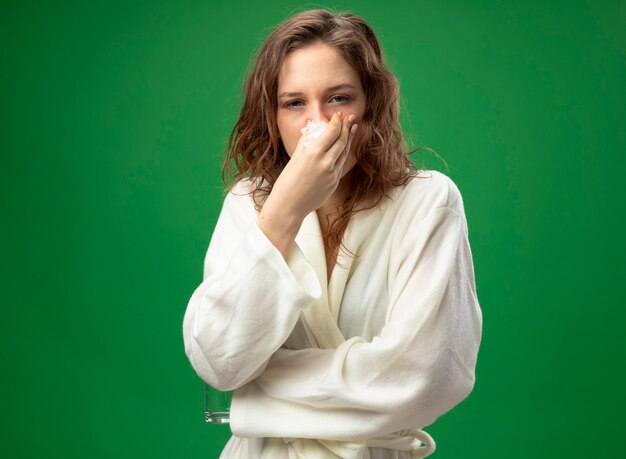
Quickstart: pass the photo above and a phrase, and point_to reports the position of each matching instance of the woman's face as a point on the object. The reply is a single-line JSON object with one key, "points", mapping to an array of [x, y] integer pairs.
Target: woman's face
{"points": [[313, 83]]}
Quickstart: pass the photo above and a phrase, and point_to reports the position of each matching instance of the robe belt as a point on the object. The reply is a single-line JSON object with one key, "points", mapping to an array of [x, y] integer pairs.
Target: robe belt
{"points": [[418, 443]]}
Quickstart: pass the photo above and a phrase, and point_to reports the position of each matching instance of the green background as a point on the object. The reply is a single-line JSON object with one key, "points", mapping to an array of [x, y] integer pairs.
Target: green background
{"points": [[114, 121]]}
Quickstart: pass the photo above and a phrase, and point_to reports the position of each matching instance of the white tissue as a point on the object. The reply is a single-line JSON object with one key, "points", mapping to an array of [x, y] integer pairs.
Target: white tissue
{"points": [[313, 130]]}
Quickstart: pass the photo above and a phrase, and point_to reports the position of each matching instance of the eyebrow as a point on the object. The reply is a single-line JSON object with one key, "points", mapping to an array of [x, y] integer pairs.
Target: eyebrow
{"points": [[330, 89]]}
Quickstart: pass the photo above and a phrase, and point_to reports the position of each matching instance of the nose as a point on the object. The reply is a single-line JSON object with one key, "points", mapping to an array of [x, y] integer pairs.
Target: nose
{"points": [[318, 112]]}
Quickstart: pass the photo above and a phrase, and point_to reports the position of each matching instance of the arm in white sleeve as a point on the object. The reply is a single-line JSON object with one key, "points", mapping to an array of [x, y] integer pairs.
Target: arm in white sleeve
{"points": [[248, 302], [420, 366]]}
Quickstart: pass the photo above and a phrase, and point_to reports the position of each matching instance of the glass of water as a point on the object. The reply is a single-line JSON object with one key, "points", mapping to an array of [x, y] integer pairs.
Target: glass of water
{"points": [[216, 405]]}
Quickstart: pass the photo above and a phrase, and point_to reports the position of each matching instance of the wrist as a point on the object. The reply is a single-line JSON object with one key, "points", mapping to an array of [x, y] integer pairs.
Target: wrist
{"points": [[280, 226], [280, 213]]}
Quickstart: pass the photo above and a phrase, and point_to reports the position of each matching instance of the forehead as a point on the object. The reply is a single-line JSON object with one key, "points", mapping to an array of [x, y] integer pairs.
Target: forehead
{"points": [[315, 66]]}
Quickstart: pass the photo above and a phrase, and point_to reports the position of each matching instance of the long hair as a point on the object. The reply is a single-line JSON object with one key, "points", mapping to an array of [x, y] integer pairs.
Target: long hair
{"points": [[255, 149]]}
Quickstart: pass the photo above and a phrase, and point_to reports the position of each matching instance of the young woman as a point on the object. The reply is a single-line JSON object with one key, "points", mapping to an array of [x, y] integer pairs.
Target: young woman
{"points": [[338, 299]]}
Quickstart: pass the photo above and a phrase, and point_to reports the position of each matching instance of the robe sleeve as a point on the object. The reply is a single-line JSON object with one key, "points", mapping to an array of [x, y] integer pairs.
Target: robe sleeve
{"points": [[420, 366], [230, 332]]}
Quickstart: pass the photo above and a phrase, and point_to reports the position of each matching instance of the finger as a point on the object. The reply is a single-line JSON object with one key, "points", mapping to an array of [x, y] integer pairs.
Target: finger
{"points": [[330, 134], [340, 144], [346, 151], [352, 133]]}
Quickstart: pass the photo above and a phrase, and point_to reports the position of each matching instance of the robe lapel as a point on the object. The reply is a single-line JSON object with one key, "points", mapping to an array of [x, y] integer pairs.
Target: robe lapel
{"points": [[359, 232], [322, 316], [320, 321]]}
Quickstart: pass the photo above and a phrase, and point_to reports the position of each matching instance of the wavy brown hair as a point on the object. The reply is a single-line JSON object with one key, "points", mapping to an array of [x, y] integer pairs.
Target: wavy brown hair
{"points": [[255, 149]]}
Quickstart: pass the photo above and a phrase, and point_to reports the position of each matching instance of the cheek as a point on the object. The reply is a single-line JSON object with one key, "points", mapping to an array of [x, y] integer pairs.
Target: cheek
{"points": [[289, 135], [290, 140]]}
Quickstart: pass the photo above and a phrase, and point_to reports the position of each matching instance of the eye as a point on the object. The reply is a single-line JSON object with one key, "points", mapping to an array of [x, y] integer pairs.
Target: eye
{"points": [[293, 104], [340, 99]]}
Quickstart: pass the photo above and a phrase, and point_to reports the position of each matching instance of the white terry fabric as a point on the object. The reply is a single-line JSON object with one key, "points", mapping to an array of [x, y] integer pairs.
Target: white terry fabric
{"points": [[388, 346]]}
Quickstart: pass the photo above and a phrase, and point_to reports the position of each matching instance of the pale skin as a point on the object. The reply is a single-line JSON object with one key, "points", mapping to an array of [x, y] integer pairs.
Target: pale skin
{"points": [[315, 83]]}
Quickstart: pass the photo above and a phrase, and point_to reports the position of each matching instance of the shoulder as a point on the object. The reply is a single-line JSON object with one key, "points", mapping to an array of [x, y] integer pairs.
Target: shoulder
{"points": [[428, 190], [240, 194], [243, 187], [239, 203]]}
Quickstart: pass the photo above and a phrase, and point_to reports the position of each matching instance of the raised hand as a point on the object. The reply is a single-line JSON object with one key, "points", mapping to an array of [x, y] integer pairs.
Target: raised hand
{"points": [[307, 181]]}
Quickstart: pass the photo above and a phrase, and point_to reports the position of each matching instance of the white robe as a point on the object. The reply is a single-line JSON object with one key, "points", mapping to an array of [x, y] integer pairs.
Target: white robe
{"points": [[388, 346]]}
